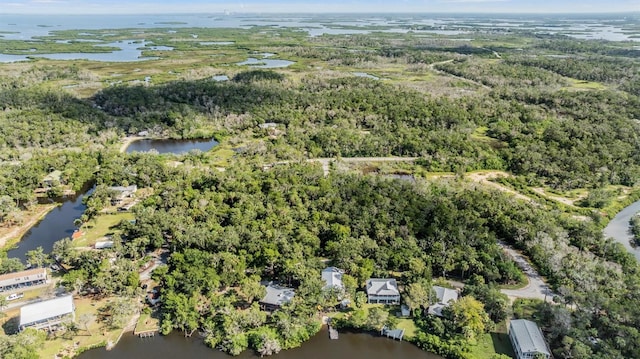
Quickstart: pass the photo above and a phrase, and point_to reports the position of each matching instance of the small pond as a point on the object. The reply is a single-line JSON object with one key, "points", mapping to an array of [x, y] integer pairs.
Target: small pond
{"points": [[364, 74], [171, 146], [266, 63]]}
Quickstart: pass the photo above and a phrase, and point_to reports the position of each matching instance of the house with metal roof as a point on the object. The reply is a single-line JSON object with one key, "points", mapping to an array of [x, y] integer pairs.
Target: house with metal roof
{"points": [[121, 192], [383, 291], [444, 297], [52, 179], [276, 296], [332, 278], [17, 280], [48, 314], [527, 340]]}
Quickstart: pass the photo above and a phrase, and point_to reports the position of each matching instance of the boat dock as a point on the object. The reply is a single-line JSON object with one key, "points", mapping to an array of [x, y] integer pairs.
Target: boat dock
{"points": [[392, 333], [333, 333], [146, 334]]}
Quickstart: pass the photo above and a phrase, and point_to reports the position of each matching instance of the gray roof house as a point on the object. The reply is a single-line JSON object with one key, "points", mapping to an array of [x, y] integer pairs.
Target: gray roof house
{"points": [[122, 193], [384, 291], [47, 314], [527, 340], [52, 179], [444, 297], [332, 278], [17, 280], [276, 296]]}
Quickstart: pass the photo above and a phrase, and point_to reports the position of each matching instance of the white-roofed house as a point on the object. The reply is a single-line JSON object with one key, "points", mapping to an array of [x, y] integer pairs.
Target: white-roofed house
{"points": [[527, 340], [383, 291], [332, 278], [444, 297], [47, 314]]}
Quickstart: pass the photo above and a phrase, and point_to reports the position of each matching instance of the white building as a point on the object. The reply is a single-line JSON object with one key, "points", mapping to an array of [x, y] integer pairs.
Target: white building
{"points": [[527, 340], [332, 278], [444, 297], [47, 314], [23, 279], [384, 291]]}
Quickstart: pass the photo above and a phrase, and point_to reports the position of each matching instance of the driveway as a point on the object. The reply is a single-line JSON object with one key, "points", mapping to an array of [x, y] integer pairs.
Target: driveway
{"points": [[537, 288]]}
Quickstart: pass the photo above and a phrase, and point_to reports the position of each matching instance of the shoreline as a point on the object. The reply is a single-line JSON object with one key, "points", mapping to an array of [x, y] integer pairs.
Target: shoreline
{"points": [[19, 231], [128, 141]]}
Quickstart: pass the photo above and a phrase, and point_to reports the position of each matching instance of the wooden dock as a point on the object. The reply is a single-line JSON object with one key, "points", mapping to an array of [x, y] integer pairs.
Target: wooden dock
{"points": [[146, 334], [392, 333], [333, 333]]}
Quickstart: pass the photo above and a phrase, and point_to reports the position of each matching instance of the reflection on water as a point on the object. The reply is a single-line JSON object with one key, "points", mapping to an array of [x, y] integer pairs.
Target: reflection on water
{"points": [[364, 74], [266, 63], [56, 225], [129, 51], [349, 346], [171, 146]]}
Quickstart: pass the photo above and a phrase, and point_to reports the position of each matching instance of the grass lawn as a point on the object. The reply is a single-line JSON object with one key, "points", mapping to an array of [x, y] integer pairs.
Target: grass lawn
{"points": [[490, 344], [96, 335], [100, 227], [409, 327], [148, 322]]}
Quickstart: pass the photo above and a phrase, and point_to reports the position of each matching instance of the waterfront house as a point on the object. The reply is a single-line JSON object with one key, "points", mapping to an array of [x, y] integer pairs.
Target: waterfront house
{"points": [[276, 297], [23, 279], [48, 314], [121, 193], [332, 278], [52, 179], [444, 297], [383, 291], [527, 340]]}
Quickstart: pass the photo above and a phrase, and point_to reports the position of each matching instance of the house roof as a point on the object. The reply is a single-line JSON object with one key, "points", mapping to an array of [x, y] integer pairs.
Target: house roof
{"points": [[445, 295], [277, 295], [24, 276], [36, 312], [130, 189], [332, 276], [54, 175], [379, 286], [528, 336]]}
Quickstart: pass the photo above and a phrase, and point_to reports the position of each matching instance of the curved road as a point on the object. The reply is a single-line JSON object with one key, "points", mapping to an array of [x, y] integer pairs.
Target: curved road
{"points": [[537, 288]]}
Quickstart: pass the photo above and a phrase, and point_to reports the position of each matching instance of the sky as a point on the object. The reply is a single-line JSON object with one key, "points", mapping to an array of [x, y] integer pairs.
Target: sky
{"points": [[315, 6]]}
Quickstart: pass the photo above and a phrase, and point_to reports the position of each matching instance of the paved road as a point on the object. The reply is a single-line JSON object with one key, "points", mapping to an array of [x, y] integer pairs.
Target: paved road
{"points": [[537, 288]]}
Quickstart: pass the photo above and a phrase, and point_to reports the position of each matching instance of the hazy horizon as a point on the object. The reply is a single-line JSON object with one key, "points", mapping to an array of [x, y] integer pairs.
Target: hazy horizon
{"points": [[121, 7]]}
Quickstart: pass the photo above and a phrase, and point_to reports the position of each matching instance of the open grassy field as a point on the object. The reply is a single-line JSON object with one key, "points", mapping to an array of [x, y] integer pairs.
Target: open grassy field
{"points": [[100, 227]]}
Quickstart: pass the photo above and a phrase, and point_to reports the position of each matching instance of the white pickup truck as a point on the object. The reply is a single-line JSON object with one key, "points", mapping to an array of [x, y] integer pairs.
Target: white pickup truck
{"points": [[15, 296]]}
